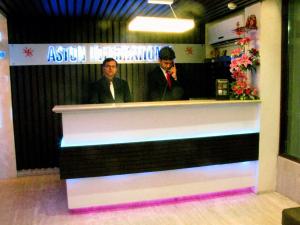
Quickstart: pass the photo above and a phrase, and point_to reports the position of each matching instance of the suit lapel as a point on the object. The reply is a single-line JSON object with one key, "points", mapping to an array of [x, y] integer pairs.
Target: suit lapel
{"points": [[162, 77]]}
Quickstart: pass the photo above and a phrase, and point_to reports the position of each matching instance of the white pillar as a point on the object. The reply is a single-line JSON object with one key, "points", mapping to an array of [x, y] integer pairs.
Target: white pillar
{"points": [[270, 81], [7, 147]]}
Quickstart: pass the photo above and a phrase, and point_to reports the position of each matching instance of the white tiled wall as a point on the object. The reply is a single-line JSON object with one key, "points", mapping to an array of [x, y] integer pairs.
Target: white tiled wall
{"points": [[288, 178]]}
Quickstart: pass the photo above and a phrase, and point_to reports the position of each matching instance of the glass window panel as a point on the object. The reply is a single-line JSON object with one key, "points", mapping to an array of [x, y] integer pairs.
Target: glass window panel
{"points": [[293, 101]]}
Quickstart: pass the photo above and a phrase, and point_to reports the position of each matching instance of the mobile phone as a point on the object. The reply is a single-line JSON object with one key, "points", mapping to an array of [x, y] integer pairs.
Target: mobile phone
{"points": [[172, 65]]}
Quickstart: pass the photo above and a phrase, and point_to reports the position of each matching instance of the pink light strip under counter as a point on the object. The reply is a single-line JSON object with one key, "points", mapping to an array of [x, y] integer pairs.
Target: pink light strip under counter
{"points": [[166, 201]]}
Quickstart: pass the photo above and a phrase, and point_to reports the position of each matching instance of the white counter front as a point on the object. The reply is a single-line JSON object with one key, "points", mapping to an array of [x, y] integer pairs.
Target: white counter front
{"points": [[147, 121], [109, 124]]}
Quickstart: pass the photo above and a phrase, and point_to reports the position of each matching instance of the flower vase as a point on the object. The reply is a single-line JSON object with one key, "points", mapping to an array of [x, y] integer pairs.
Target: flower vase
{"points": [[249, 78], [252, 78]]}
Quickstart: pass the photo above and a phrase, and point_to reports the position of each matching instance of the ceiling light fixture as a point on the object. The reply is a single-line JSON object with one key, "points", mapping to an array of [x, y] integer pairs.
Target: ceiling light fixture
{"points": [[161, 24], [231, 5]]}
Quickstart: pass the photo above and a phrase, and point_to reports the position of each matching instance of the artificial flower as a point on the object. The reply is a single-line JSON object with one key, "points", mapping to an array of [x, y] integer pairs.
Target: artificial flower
{"points": [[243, 60]]}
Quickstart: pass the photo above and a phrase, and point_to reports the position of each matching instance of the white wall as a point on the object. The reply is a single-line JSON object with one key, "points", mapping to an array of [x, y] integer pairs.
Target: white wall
{"points": [[7, 147], [270, 81]]}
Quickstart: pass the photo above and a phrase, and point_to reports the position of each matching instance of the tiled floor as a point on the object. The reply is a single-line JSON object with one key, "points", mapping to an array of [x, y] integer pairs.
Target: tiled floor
{"points": [[41, 200]]}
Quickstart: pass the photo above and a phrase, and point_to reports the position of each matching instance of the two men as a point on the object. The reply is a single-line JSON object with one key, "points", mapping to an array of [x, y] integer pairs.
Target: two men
{"points": [[163, 82]]}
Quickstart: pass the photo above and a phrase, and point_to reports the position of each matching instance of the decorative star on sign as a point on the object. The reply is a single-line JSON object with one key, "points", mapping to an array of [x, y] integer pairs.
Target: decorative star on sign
{"points": [[28, 52], [189, 51]]}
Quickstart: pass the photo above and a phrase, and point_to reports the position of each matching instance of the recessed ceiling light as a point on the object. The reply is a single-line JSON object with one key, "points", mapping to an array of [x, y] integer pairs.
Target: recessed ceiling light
{"points": [[231, 5]]}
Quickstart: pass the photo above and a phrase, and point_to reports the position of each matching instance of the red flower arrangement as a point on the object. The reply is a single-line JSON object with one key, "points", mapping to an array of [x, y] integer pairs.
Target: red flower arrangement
{"points": [[243, 60]]}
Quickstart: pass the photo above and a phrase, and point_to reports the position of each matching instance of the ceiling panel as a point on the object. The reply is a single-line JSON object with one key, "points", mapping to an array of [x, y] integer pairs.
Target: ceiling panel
{"points": [[202, 10]]}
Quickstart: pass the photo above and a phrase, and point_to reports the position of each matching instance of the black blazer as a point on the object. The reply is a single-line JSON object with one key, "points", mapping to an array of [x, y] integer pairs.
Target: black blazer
{"points": [[100, 92], [158, 88]]}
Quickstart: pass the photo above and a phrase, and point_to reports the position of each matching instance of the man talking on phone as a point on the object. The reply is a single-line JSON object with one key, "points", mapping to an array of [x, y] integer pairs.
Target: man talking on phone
{"points": [[163, 81]]}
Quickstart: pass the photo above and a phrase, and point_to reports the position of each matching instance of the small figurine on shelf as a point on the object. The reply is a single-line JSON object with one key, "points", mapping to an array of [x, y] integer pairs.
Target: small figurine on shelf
{"points": [[251, 23]]}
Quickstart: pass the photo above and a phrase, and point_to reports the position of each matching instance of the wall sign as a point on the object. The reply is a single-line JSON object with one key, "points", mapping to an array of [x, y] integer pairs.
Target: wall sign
{"points": [[95, 53]]}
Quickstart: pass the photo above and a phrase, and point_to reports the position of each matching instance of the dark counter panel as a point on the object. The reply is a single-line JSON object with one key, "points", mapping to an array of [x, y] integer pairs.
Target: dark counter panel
{"points": [[103, 160]]}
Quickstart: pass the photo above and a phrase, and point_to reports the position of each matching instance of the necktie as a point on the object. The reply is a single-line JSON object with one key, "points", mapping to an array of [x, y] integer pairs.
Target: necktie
{"points": [[169, 81], [112, 90]]}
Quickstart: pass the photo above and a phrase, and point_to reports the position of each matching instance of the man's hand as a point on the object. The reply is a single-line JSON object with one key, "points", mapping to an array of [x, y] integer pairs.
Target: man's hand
{"points": [[173, 72]]}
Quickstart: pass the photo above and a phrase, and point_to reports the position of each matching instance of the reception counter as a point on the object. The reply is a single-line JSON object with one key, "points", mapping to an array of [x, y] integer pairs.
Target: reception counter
{"points": [[126, 153]]}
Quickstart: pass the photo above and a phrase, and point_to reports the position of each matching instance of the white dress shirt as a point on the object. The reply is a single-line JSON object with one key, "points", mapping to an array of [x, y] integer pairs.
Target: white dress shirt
{"points": [[112, 90]]}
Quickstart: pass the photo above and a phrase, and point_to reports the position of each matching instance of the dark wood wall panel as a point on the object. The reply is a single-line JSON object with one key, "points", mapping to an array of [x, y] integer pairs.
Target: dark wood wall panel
{"points": [[102, 160], [36, 127], [86, 30], [36, 89]]}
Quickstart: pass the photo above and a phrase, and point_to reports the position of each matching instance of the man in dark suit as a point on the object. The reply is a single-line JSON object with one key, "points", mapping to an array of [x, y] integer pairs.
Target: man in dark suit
{"points": [[110, 89], [163, 81]]}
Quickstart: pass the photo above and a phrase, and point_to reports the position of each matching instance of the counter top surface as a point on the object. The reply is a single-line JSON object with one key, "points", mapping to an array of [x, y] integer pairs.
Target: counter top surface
{"points": [[87, 107]]}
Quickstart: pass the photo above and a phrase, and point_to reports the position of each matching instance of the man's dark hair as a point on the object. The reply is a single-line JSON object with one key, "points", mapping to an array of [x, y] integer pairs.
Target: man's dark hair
{"points": [[166, 53], [108, 60]]}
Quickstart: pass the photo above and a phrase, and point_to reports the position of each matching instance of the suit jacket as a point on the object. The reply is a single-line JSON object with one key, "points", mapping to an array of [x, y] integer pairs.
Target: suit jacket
{"points": [[158, 87], [100, 91]]}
